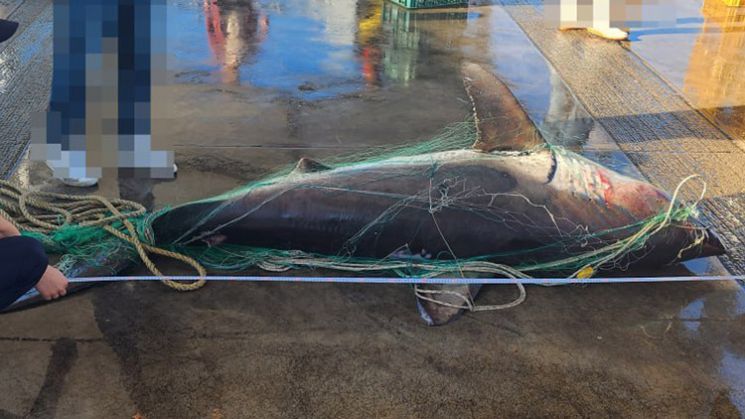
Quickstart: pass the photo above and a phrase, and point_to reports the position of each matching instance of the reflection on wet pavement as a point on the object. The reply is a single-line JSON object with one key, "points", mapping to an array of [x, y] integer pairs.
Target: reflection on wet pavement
{"points": [[234, 34], [733, 370], [703, 55], [306, 48], [392, 46], [256, 86], [314, 50], [690, 315]]}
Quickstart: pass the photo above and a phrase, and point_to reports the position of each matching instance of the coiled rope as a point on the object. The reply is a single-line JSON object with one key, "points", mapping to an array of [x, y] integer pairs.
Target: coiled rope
{"points": [[47, 212]]}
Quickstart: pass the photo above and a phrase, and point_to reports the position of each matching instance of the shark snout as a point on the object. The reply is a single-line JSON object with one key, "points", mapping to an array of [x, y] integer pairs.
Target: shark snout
{"points": [[712, 245], [698, 241], [645, 200]]}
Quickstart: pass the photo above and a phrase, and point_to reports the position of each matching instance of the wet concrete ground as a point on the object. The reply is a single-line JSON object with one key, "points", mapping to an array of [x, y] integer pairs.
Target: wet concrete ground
{"points": [[256, 86], [708, 61]]}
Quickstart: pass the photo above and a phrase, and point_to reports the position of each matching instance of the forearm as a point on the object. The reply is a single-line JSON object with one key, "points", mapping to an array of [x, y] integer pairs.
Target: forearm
{"points": [[7, 229]]}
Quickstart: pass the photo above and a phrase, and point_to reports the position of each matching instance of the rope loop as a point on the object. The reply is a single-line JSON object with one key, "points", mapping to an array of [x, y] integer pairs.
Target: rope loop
{"points": [[48, 212]]}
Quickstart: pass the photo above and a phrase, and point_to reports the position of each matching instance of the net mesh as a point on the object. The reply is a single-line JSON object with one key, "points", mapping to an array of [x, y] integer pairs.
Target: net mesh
{"points": [[569, 249]]}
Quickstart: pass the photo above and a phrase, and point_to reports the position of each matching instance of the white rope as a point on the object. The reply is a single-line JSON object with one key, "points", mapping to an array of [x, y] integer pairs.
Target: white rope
{"points": [[467, 304]]}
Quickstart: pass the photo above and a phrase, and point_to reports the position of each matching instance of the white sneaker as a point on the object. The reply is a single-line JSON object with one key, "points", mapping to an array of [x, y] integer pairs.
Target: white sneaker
{"points": [[612, 34], [83, 182]]}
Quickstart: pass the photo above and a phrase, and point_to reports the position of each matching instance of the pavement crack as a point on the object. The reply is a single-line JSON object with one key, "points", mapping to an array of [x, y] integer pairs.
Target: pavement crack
{"points": [[64, 355]]}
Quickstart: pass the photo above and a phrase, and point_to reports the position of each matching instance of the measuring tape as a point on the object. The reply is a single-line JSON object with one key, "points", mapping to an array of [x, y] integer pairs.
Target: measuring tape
{"points": [[32, 293], [397, 280]]}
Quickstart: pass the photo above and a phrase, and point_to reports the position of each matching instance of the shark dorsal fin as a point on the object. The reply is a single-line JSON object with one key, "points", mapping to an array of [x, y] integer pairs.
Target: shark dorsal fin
{"points": [[501, 123], [306, 165]]}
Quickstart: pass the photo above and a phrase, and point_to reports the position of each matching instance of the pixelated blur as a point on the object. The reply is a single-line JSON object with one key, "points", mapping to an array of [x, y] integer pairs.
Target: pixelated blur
{"points": [[569, 14], [108, 55]]}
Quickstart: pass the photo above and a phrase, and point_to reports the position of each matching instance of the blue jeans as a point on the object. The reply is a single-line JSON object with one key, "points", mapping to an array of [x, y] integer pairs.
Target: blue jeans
{"points": [[90, 35], [80, 28]]}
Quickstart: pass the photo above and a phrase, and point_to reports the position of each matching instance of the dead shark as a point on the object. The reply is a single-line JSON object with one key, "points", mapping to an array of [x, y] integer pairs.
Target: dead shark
{"points": [[509, 199]]}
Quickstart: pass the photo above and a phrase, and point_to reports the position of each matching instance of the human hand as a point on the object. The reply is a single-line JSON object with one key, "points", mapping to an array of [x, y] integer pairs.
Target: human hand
{"points": [[52, 284]]}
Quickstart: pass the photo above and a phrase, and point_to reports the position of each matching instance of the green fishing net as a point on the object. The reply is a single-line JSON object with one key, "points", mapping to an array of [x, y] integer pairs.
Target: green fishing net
{"points": [[601, 251]]}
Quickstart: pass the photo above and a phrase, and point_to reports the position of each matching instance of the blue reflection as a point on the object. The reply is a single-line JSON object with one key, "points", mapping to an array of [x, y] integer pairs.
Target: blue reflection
{"points": [[302, 48], [296, 55]]}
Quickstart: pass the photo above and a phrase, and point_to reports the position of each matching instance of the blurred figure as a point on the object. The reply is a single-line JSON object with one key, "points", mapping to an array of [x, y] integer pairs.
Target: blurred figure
{"points": [[574, 14], [99, 115], [234, 31]]}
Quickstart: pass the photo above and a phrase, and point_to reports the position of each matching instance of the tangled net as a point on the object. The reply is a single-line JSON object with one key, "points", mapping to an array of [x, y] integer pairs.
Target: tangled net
{"points": [[453, 193], [80, 228]]}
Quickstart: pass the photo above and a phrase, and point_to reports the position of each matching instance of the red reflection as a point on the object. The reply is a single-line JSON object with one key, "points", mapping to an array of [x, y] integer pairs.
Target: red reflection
{"points": [[234, 32], [368, 30]]}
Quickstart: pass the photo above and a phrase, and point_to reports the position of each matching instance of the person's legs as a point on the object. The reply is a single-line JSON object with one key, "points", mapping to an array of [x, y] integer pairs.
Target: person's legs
{"points": [[601, 22], [63, 142], [99, 112], [569, 15], [572, 15], [601, 14], [140, 48], [22, 263]]}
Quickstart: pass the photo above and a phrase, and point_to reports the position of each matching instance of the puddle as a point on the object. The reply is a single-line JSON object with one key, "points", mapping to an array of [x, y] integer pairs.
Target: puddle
{"points": [[691, 314], [310, 49], [732, 370], [549, 102], [306, 48], [319, 50], [701, 54]]}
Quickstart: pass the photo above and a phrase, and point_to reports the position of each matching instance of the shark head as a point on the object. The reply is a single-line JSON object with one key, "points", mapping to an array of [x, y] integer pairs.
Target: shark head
{"points": [[643, 200]]}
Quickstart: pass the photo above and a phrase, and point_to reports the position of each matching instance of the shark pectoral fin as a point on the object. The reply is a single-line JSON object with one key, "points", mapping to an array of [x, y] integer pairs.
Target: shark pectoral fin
{"points": [[306, 165], [501, 123], [440, 304]]}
